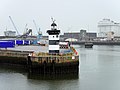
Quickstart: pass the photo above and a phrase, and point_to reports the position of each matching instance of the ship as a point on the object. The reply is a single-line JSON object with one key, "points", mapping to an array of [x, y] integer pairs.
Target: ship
{"points": [[88, 45]]}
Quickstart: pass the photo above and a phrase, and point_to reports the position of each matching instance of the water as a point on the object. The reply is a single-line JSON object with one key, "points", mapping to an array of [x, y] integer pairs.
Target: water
{"points": [[99, 70]]}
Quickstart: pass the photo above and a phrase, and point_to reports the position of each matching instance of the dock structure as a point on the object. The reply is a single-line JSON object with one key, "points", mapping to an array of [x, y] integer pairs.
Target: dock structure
{"points": [[97, 42], [42, 63], [14, 58], [46, 63], [52, 63]]}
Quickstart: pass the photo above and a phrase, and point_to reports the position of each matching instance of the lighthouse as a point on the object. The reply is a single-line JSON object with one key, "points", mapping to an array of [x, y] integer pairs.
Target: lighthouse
{"points": [[53, 38]]}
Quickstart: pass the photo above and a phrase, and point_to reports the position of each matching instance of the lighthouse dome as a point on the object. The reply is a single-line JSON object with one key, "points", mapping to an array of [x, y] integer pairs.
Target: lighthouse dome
{"points": [[53, 24]]}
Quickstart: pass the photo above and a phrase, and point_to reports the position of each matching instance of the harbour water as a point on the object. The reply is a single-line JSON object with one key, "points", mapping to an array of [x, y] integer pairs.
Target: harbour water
{"points": [[99, 70]]}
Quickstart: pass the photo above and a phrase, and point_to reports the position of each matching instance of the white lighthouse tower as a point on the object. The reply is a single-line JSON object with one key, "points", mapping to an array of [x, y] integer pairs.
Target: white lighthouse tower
{"points": [[53, 38]]}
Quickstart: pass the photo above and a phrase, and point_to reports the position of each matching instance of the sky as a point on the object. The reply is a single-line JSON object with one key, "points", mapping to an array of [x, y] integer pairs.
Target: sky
{"points": [[70, 15]]}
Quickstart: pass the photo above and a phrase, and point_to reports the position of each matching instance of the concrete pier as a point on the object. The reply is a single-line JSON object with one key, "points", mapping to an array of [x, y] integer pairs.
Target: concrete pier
{"points": [[43, 64], [53, 65]]}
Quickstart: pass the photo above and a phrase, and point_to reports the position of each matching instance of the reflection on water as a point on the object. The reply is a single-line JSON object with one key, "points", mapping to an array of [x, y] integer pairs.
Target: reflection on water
{"points": [[99, 70], [17, 80], [53, 77], [9, 69]]}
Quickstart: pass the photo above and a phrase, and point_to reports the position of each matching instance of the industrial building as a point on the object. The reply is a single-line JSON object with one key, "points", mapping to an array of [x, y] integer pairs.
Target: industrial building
{"points": [[75, 35], [10, 33], [108, 28], [81, 36]]}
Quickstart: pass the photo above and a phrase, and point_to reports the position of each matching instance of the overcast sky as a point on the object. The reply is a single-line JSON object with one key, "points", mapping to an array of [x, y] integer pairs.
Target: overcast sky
{"points": [[70, 15]]}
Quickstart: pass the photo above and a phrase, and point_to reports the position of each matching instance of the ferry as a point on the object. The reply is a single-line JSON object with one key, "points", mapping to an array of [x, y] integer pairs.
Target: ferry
{"points": [[88, 45]]}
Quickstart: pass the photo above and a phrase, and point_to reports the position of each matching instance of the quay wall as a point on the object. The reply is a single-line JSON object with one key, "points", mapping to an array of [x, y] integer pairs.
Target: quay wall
{"points": [[46, 66], [41, 66], [55, 68], [13, 59], [98, 42]]}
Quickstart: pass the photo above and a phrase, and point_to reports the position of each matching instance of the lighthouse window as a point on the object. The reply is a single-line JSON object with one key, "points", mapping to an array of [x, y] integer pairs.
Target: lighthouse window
{"points": [[57, 36], [54, 51], [53, 42], [53, 36]]}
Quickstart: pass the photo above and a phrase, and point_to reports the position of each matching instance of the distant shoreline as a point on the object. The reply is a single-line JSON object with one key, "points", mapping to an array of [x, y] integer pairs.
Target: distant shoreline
{"points": [[97, 43]]}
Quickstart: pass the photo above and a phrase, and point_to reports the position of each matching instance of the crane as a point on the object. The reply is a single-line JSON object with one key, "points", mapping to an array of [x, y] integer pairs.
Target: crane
{"points": [[37, 29], [39, 36], [35, 25], [14, 25], [25, 29]]}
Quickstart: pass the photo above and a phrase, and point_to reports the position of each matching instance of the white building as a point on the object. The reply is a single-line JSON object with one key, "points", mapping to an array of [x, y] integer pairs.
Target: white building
{"points": [[106, 26], [9, 33]]}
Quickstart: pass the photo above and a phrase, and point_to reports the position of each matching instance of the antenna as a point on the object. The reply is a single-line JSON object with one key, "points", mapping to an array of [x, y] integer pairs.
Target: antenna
{"points": [[53, 20]]}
